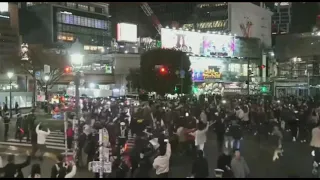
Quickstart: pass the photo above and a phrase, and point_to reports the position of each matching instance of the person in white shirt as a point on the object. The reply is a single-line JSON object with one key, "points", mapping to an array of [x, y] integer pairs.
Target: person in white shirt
{"points": [[200, 134], [41, 140], [73, 171], [161, 163]]}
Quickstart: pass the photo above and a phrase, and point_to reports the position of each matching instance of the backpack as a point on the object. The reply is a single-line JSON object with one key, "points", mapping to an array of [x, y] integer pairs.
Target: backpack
{"points": [[61, 171]]}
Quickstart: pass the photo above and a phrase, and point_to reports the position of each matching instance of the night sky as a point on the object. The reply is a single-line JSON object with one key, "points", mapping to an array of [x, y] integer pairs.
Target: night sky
{"points": [[303, 15]]}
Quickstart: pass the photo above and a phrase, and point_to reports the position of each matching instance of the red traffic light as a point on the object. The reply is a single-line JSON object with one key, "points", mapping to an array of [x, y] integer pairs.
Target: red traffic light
{"points": [[67, 69], [262, 66], [163, 70]]}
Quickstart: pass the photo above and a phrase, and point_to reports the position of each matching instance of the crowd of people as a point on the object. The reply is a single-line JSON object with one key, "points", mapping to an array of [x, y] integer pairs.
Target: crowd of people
{"points": [[180, 127]]}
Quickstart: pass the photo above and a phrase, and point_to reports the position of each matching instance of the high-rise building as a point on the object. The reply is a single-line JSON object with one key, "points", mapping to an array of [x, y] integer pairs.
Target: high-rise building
{"points": [[62, 22], [56, 25], [211, 16], [281, 19], [9, 33], [177, 12]]}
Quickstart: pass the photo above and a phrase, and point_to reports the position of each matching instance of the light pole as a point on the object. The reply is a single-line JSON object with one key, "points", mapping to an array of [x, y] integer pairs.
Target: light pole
{"points": [[46, 79], [10, 75], [76, 59]]}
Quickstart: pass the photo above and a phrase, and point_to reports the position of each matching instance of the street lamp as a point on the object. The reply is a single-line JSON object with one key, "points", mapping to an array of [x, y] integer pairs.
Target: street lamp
{"points": [[76, 60], [10, 75]]}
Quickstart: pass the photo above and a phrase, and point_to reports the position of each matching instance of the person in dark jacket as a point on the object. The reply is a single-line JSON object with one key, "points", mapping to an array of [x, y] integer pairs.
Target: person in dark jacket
{"points": [[220, 131], [5, 108], [224, 163], [6, 120], [200, 168], [145, 166], [16, 107], [19, 129], [236, 134], [12, 170], [30, 124], [59, 163], [34, 138]]}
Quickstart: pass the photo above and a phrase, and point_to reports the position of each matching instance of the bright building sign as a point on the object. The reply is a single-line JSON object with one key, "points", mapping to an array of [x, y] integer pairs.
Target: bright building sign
{"points": [[197, 43], [211, 74]]}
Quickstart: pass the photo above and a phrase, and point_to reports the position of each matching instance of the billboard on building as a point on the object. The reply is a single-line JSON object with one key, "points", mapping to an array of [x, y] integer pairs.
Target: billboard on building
{"points": [[127, 32], [4, 7], [248, 20], [206, 68], [196, 43]]}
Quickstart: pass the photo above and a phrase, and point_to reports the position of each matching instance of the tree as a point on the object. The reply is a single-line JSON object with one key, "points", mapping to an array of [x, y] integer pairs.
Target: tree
{"points": [[165, 79], [38, 57], [133, 79]]}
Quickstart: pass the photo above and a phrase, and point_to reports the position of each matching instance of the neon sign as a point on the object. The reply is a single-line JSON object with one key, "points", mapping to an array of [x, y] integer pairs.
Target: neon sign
{"points": [[211, 74]]}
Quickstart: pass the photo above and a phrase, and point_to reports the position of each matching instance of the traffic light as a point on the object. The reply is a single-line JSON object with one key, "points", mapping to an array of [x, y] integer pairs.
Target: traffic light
{"points": [[262, 66], [195, 89], [264, 89], [67, 70], [163, 70], [177, 89]]}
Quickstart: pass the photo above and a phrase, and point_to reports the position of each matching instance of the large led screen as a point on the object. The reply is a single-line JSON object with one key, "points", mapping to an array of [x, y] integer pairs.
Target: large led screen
{"points": [[205, 68], [127, 32], [197, 43], [185, 41], [218, 45]]}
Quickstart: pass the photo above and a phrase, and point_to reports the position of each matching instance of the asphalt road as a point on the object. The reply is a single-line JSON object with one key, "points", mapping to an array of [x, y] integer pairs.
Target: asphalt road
{"points": [[296, 160]]}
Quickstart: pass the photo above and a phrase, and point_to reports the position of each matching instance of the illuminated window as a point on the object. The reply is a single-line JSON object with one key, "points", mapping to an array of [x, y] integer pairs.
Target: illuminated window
{"points": [[94, 48], [65, 36], [234, 67], [212, 24], [69, 38], [30, 3], [71, 4], [83, 7], [188, 26], [218, 4]]}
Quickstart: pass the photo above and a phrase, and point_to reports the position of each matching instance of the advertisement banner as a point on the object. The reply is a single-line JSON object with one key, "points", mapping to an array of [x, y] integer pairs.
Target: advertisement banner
{"points": [[206, 69], [211, 73], [196, 43], [127, 32], [218, 45], [186, 41]]}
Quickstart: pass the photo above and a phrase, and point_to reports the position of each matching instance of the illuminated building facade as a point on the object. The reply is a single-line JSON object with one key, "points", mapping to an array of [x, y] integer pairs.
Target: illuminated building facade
{"points": [[211, 16], [281, 19], [56, 25], [62, 22], [9, 33]]}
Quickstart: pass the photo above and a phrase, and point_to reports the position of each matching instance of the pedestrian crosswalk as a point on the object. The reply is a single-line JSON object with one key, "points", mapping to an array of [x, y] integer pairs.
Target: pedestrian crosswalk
{"points": [[54, 141]]}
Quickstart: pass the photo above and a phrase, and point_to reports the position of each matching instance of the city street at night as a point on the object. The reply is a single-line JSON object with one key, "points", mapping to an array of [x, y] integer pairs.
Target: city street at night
{"points": [[296, 160]]}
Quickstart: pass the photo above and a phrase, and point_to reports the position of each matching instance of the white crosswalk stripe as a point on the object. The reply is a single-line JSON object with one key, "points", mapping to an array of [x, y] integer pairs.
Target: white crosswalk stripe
{"points": [[54, 141]]}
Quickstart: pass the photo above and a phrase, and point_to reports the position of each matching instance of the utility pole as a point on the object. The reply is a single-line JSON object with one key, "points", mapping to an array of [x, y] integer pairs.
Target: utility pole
{"points": [[248, 77], [182, 74]]}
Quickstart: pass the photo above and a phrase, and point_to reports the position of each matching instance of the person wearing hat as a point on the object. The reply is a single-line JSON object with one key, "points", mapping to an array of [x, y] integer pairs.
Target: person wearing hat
{"points": [[6, 120]]}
